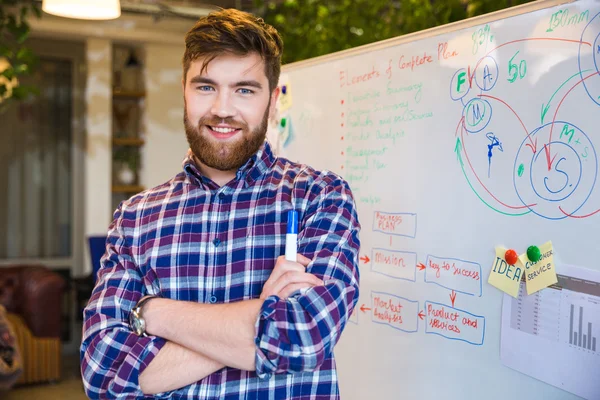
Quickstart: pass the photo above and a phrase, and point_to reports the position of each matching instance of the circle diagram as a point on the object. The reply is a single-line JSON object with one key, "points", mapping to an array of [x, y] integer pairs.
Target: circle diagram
{"points": [[555, 178], [477, 114], [589, 58]]}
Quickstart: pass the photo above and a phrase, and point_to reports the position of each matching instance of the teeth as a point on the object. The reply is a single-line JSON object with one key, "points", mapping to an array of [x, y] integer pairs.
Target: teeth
{"points": [[223, 130]]}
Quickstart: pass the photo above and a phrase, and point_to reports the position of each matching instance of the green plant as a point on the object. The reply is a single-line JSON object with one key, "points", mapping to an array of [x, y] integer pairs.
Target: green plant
{"points": [[18, 59], [312, 28]]}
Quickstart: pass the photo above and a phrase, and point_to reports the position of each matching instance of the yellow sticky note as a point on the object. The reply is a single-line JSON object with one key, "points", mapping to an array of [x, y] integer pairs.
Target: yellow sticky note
{"points": [[541, 274], [504, 276], [285, 97]]}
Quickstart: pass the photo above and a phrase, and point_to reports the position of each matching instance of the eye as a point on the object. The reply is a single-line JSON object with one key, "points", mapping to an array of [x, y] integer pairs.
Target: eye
{"points": [[205, 88], [246, 91]]}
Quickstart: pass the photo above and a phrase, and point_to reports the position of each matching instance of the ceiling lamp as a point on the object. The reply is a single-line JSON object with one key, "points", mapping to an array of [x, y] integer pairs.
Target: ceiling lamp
{"points": [[83, 9]]}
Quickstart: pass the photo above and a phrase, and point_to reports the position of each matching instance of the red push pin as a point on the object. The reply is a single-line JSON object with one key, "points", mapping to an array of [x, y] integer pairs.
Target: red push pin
{"points": [[511, 257]]}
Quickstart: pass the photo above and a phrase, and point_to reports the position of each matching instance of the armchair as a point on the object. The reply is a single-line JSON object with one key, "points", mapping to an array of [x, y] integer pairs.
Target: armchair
{"points": [[32, 296]]}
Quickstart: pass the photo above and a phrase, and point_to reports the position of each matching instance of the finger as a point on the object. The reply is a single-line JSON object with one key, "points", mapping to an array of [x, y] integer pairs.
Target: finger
{"points": [[274, 287], [291, 289], [293, 277], [300, 259], [284, 265]]}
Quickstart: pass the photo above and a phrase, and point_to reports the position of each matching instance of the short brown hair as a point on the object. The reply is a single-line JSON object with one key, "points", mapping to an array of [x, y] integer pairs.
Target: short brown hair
{"points": [[235, 32]]}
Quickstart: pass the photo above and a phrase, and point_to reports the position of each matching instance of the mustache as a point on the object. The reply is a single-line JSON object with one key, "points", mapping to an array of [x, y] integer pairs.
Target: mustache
{"points": [[213, 121]]}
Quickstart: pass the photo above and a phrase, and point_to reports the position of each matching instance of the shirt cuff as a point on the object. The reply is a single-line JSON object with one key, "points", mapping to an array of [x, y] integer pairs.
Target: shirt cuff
{"points": [[137, 360], [273, 352]]}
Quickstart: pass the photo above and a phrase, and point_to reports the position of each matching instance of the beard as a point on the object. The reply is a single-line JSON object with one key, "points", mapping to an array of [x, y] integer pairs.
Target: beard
{"points": [[227, 155]]}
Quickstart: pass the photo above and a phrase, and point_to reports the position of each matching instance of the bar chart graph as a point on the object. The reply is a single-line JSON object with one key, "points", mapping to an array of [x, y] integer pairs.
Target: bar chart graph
{"points": [[567, 312], [580, 320], [575, 337]]}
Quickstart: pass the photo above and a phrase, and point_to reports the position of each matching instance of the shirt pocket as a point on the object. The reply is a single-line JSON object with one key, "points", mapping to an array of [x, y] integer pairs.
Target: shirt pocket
{"points": [[264, 242]]}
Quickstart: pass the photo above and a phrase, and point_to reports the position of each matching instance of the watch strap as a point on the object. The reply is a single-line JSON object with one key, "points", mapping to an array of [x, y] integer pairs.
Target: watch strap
{"points": [[137, 313], [143, 301]]}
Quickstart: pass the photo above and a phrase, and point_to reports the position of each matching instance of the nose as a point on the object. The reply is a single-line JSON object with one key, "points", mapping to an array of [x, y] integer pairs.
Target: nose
{"points": [[222, 106]]}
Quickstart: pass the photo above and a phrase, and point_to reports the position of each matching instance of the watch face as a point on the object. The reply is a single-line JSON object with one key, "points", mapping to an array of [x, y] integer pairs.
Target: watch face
{"points": [[138, 325]]}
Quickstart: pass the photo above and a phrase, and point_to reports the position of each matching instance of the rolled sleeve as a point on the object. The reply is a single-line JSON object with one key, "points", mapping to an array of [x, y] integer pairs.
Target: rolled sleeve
{"points": [[112, 356], [298, 334]]}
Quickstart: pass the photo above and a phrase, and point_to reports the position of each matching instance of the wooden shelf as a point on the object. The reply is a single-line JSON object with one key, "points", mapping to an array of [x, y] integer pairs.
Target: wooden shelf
{"points": [[128, 142], [128, 95], [127, 189]]}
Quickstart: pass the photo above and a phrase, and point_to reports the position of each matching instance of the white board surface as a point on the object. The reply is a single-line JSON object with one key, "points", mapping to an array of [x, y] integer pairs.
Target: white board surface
{"points": [[454, 141]]}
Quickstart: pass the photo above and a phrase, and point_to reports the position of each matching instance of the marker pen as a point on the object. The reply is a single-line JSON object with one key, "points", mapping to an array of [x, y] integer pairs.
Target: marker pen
{"points": [[291, 237]]}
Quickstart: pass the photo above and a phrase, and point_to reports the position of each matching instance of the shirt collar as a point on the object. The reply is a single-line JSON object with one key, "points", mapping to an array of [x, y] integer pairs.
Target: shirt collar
{"points": [[253, 169]]}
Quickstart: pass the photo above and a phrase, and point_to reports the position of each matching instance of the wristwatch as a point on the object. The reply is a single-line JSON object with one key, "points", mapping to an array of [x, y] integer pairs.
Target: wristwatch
{"points": [[136, 320]]}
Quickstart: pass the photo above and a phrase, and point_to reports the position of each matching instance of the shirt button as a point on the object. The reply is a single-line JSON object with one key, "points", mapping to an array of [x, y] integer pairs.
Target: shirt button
{"points": [[213, 299], [221, 195], [217, 242]]}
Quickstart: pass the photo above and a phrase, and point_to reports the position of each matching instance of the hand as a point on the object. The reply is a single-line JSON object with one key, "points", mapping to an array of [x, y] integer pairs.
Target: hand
{"points": [[289, 276]]}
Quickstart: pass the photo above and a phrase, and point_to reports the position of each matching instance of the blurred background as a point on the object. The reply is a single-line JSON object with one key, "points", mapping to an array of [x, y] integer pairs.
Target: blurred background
{"points": [[91, 113]]}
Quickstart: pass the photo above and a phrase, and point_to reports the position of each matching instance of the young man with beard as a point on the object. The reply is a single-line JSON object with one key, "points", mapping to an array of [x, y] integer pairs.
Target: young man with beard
{"points": [[194, 298]]}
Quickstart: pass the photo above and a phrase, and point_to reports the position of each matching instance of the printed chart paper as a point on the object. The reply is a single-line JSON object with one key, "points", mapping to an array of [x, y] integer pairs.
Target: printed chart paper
{"points": [[553, 335]]}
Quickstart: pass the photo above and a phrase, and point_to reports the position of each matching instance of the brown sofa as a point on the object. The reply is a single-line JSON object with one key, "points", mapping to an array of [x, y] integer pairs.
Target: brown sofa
{"points": [[32, 296]]}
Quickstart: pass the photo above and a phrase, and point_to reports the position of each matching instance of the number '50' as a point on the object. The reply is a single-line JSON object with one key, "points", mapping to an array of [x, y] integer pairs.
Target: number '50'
{"points": [[515, 71]]}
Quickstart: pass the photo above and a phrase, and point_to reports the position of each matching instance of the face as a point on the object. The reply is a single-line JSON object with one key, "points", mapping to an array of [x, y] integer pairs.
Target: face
{"points": [[227, 109]]}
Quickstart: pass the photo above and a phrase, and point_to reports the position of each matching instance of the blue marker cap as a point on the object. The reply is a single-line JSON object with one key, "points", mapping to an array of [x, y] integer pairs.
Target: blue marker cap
{"points": [[292, 222]]}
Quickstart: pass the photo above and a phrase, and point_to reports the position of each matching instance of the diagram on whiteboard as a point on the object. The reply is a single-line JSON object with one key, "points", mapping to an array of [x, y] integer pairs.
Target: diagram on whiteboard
{"points": [[555, 165]]}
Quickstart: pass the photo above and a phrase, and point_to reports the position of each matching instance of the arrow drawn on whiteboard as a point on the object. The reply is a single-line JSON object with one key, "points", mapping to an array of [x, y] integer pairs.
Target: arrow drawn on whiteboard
{"points": [[421, 314], [365, 259], [547, 106], [364, 309], [453, 297], [421, 266], [549, 158], [457, 150]]}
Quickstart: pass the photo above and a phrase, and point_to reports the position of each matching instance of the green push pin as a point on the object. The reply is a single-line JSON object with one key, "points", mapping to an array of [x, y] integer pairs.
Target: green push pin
{"points": [[283, 122], [534, 254]]}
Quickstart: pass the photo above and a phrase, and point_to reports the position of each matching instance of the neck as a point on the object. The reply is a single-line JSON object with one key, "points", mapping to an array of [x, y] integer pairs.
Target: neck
{"points": [[219, 177]]}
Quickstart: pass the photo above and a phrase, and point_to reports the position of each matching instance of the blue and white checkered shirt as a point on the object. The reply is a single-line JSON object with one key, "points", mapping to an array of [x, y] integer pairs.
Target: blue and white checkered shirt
{"points": [[191, 240]]}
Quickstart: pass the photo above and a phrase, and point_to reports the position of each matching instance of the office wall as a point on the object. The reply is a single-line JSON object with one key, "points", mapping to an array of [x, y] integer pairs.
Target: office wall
{"points": [[162, 42], [165, 138]]}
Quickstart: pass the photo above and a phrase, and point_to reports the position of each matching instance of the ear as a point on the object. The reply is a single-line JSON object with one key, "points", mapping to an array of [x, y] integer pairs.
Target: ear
{"points": [[274, 97]]}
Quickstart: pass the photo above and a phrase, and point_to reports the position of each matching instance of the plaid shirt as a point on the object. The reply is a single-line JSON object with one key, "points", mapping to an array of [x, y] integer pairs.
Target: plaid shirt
{"points": [[191, 240]]}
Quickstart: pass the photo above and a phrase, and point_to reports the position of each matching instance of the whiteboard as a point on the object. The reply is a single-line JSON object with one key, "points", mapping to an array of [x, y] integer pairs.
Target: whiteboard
{"points": [[454, 140]]}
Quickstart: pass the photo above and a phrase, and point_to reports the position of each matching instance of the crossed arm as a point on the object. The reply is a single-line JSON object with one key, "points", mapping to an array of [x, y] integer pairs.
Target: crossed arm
{"points": [[203, 338], [286, 330]]}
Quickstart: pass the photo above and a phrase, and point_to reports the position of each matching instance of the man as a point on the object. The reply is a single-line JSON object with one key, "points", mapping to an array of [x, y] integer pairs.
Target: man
{"points": [[194, 298]]}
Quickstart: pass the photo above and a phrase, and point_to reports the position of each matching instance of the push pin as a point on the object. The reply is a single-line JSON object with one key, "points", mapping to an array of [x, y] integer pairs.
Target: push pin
{"points": [[284, 89], [534, 254], [511, 257]]}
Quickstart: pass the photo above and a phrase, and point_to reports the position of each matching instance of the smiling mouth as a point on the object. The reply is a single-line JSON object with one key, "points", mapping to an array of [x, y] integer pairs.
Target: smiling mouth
{"points": [[222, 132]]}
